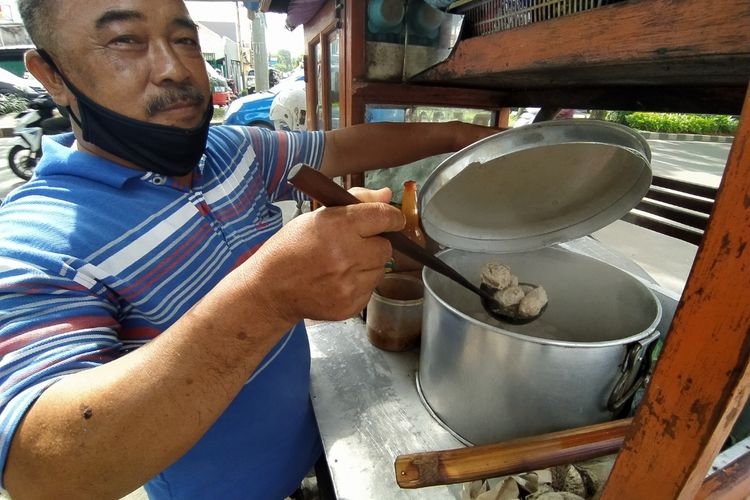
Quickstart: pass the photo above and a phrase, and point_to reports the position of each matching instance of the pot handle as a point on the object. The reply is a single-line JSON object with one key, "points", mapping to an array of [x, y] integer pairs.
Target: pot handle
{"points": [[634, 372]]}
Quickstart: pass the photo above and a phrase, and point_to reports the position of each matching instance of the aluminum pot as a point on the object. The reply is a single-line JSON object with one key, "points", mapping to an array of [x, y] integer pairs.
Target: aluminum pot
{"points": [[490, 382]]}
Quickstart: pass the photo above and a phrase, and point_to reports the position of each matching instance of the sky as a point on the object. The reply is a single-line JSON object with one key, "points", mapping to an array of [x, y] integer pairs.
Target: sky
{"points": [[277, 36]]}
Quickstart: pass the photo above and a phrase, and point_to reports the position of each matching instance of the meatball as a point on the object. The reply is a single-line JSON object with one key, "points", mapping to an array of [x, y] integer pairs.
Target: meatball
{"points": [[509, 296], [533, 302], [498, 276]]}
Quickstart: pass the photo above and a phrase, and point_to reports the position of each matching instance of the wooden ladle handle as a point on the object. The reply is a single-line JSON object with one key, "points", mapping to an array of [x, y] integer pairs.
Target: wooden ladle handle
{"points": [[330, 194], [313, 183], [432, 468]]}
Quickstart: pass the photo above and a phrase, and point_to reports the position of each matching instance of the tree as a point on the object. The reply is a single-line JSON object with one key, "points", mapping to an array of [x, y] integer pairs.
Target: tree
{"points": [[284, 58]]}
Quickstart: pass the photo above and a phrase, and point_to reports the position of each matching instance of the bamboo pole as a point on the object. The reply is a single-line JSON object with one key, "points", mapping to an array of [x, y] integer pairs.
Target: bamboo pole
{"points": [[432, 468]]}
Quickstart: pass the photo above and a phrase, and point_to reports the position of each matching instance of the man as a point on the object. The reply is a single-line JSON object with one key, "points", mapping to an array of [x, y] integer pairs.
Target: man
{"points": [[151, 305]]}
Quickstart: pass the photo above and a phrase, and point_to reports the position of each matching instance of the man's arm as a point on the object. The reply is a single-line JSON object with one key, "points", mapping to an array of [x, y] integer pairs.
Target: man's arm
{"points": [[381, 145], [104, 431]]}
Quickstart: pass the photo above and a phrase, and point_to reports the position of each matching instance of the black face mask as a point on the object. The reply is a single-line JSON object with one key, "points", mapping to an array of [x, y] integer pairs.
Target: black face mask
{"points": [[163, 149]]}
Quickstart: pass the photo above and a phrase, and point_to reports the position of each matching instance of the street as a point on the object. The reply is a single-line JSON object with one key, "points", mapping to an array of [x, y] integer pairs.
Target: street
{"points": [[697, 162], [8, 180]]}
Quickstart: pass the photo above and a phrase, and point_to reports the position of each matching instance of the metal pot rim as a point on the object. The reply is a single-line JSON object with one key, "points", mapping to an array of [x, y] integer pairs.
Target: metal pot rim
{"points": [[560, 343]]}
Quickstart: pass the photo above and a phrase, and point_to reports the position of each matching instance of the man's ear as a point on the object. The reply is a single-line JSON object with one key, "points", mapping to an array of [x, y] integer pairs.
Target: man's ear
{"points": [[47, 76]]}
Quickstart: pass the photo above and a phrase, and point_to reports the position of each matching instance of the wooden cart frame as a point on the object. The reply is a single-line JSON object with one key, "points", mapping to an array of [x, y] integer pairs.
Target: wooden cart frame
{"points": [[655, 55]]}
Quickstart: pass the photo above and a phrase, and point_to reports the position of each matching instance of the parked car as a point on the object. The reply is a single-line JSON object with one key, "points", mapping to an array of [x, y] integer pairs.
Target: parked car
{"points": [[222, 95], [255, 109], [250, 82], [274, 77], [13, 84], [527, 115]]}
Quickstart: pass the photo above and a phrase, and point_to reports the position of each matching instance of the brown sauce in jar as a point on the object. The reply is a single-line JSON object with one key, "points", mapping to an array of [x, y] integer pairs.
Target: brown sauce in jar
{"points": [[394, 314]]}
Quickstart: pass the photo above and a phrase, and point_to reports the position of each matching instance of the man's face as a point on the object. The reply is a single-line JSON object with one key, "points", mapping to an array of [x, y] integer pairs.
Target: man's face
{"points": [[139, 58]]}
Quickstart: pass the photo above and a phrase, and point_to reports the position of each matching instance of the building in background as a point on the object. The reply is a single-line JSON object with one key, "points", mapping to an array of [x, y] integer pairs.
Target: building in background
{"points": [[14, 41], [221, 52], [224, 30], [9, 13]]}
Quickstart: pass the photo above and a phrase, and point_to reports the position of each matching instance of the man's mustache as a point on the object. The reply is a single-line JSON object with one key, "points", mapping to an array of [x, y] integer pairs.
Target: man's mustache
{"points": [[184, 93]]}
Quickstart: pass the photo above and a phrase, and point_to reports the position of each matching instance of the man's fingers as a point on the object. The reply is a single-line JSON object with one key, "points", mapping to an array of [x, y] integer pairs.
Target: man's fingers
{"points": [[382, 195], [370, 219]]}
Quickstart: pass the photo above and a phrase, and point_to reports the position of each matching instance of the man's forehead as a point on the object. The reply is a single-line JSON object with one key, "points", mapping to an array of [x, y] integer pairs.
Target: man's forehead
{"points": [[102, 13], [119, 15]]}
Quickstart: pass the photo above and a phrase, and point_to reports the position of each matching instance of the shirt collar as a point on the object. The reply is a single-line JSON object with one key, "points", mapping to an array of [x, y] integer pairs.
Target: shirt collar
{"points": [[60, 157]]}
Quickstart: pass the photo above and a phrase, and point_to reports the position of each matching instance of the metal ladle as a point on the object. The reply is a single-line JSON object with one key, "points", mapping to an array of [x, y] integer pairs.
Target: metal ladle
{"points": [[330, 194]]}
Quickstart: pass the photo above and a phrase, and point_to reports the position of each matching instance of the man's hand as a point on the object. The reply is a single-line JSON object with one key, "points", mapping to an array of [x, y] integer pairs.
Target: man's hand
{"points": [[324, 264]]}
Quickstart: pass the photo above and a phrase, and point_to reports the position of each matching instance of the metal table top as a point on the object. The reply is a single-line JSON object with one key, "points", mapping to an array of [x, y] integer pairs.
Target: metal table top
{"points": [[369, 410]]}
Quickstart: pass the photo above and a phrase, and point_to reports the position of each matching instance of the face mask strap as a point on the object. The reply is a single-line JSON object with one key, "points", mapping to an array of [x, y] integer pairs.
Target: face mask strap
{"points": [[48, 59]]}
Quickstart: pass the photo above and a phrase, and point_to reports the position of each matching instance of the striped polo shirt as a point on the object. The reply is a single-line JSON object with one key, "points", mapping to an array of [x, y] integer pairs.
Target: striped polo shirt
{"points": [[97, 259]]}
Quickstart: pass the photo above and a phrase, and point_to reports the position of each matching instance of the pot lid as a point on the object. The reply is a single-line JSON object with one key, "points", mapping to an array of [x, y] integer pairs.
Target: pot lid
{"points": [[535, 186]]}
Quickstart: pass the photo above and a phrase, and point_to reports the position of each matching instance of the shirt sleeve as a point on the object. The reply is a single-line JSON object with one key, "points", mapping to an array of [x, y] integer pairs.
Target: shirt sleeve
{"points": [[277, 152], [50, 326]]}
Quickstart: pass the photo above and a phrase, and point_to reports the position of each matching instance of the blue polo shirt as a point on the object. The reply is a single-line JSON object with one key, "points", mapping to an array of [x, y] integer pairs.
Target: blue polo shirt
{"points": [[97, 259]]}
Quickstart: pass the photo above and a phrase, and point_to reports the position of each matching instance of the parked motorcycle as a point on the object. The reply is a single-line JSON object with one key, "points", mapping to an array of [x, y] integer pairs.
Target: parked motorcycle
{"points": [[40, 119]]}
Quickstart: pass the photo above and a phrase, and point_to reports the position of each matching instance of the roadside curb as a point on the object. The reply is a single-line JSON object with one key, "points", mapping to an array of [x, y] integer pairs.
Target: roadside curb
{"points": [[663, 136]]}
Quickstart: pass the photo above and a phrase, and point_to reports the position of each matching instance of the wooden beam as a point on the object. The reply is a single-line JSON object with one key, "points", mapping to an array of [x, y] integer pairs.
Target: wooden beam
{"points": [[355, 65], [415, 95], [686, 99], [503, 117], [702, 378], [631, 43], [325, 81], [323, 21], [353, 110], [666, 98], [730, 483], [311, 85]]}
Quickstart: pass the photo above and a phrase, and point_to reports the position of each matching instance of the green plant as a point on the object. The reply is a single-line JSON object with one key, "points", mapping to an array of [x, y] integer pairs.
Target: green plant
{"points": [[616, 116], [218, 114], [10, 103], [676, 123], [727, 124]]}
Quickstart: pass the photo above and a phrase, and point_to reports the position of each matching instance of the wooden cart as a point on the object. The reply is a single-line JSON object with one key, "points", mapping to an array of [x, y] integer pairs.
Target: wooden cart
{"points": [[652, 55]]}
